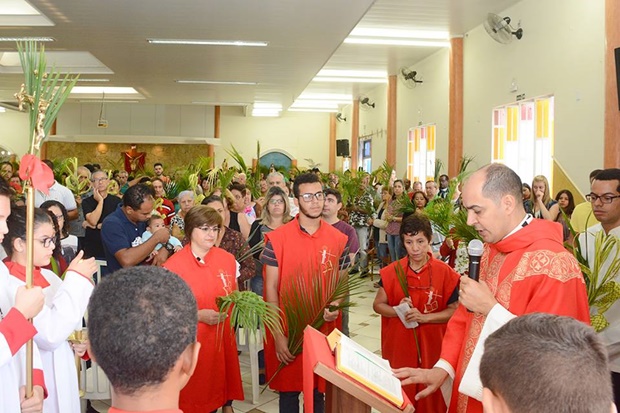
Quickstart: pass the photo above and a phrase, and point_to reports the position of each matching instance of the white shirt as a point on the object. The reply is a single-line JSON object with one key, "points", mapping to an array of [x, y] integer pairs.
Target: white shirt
{"points": [[58, 193]]}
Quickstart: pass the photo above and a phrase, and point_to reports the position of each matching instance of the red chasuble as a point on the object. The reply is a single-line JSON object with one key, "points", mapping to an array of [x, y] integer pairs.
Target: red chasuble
{"points": [[430, 289], [298, 253], [529, 271], [217, 378]]}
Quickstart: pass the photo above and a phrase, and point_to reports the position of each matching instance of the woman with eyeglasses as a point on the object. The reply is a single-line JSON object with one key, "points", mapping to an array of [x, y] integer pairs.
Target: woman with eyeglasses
{"points": [[232, 241], [210, 272], [65, 304], [431, 299]]}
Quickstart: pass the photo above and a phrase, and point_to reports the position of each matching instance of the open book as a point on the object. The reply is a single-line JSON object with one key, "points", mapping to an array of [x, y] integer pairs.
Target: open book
{"points": [[365, 367]]}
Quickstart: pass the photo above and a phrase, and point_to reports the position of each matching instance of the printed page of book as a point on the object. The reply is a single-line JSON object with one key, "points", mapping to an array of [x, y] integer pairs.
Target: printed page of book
{"points": [[369, 369]]}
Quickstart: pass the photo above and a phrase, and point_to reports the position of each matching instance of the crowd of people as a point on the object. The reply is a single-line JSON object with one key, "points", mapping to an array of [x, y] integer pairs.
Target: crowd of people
{"points": [[218, 239]]}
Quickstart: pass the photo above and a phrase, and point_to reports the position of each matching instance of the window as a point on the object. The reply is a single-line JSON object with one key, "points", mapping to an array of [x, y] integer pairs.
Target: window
{"points": [[522, 137], [421, 153], [365, 149]]}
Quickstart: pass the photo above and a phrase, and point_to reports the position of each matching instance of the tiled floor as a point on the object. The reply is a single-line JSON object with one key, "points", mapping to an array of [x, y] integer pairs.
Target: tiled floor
{"points": [[364, 327]]}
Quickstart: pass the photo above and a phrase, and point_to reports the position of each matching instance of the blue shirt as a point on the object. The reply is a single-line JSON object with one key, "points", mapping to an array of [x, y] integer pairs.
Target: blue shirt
{"points": [[117, 233]]}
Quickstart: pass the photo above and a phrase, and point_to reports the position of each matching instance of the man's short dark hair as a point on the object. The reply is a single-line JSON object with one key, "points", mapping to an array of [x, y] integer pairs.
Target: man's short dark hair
{"points": [[49, 163], [140, 320], [500, 180], [415, 224], [610, 174], [334, 192], [594, 173], [305, 178], [157, 164], [135, 195], [544, 363], [212, 198]]}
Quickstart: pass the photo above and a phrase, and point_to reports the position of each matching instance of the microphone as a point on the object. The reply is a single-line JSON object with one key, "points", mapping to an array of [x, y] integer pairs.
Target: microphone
{"points": [[474, 249]]}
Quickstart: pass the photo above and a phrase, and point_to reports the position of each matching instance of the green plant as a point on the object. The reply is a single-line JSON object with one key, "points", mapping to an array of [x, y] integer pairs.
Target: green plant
{"points": [[249, 310], [401, 276]]}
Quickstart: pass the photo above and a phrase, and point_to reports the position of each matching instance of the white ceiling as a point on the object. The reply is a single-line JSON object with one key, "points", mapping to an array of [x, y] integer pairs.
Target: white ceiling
{"points": [[304, 37]]}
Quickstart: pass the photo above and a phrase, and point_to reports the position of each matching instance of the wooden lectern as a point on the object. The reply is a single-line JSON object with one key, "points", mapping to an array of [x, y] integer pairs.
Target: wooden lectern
{"points": [[342, 393]]}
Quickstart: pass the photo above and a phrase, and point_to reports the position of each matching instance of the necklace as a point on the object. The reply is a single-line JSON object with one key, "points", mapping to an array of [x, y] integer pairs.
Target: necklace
{"points": [[420, 267]]}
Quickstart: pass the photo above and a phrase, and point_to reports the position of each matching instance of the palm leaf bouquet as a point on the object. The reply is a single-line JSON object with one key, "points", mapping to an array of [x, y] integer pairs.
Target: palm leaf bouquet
{"points": [[306, 297], [599, 274], [247, 309]]}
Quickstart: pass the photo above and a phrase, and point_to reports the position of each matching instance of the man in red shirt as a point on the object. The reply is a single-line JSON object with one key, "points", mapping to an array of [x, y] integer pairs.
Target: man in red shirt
{"points": [[292, 251], [147, 367]]}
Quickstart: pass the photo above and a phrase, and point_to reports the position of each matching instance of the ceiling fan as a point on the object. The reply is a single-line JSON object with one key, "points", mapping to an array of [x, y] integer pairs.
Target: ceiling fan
{"points": [[500, 30], [410, 78], [366, 103]]}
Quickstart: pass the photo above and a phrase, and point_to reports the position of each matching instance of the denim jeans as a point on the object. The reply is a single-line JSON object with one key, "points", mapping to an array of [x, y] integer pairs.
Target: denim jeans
{"points": [[395, 247], [362, 257], [289, 402]]}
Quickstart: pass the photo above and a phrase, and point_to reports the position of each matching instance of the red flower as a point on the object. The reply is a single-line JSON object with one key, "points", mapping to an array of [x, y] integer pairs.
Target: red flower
{"points": [[41, 176]]}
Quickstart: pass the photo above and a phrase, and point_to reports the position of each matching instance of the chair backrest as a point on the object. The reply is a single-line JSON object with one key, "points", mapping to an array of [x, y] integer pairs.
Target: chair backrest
{"points": [[100, 263]]}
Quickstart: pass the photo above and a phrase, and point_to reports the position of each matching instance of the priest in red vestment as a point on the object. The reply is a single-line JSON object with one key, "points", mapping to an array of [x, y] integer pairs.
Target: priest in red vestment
{"points": [[432, 298], [210, 272], [295, 249], [524, 269]]}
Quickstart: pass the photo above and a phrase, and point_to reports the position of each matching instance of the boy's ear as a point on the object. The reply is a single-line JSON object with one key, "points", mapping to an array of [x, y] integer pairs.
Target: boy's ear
{"points": [[492, 403], [189, 360]]}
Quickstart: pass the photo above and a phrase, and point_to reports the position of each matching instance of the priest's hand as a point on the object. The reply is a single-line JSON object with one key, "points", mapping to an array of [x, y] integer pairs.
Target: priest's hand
{"points": [[282, 352], [433, 378], [33, 404], [29, 301], [211, 317], [476, 296]]}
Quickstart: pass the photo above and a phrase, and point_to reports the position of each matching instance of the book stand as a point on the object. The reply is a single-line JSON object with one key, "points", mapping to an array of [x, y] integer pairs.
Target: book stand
{"points": [[342, 393]]}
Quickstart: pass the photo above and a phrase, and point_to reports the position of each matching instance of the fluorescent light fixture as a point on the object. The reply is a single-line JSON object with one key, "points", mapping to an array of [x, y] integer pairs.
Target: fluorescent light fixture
{"points": [[327, 96], [107, 101], [268, 105], [221, 103], [214, 82], [93, 80], [82, 90], [313, 110], [352, 73], [21, 13], [396, 42], [267, 113], [26, 39], [349, 80], [318, 104], [2, 109], [196, 42], [402, 34], [266, 109]]}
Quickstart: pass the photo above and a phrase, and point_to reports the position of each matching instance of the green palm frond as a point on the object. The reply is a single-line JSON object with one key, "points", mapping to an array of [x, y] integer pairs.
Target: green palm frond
{"points": [[403, 205], [401, 276], [43, 92], [249, 310], [440, 212], [69, 167], [461, 230], [306, 297], [438, 168], [383, 173], [464, 164], [238, 158], [349, 186]]}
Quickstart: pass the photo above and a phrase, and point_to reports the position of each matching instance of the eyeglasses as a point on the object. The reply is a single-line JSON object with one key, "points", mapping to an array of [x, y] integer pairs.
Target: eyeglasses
{"points": [[99, 180], [47, 242], [605, 199], [319, 196], [214, 229], [275, 201]]}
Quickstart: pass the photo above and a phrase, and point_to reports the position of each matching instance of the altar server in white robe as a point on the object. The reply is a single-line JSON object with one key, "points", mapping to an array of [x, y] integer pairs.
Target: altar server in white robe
{"points": [[65, 304], [15, 331]]}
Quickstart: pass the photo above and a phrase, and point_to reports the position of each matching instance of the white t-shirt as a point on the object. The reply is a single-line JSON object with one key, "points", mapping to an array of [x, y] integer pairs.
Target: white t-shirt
{"points": [[58, 193]]}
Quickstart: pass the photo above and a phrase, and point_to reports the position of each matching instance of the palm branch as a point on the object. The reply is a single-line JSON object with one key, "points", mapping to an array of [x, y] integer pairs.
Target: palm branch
{"points": [[460, 229], [440, 212], [382, 174], [438, 168], [238, 158], [464, 164], [349, 186], [401, 276], [69, 167], [306, 297], [403, 205], [249, 310], [43, 91]]}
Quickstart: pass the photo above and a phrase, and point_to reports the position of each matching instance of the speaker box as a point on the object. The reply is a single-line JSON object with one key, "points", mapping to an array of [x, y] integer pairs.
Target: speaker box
{"points": [[342, 147], [617, 53]]}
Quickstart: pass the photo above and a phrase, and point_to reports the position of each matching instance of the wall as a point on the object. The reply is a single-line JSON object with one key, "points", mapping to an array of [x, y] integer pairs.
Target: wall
{"points": [[561, 53], [426, 103], [14, 127], [301, 135], [110, 155]]}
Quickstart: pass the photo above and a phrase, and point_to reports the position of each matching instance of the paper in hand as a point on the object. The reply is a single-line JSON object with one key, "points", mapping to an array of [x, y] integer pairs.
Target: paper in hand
{"points": [[401, 311]]}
